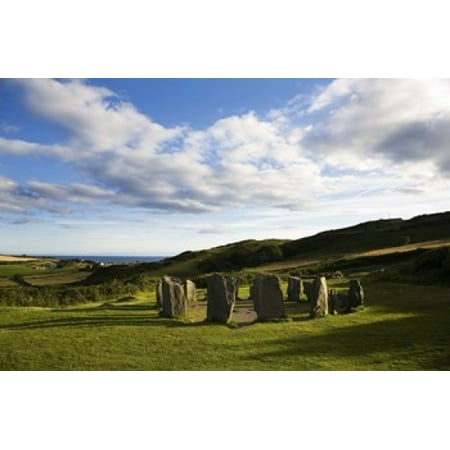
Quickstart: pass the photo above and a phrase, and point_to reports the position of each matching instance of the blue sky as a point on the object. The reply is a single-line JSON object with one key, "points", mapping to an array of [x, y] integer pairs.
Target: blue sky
{"points": [[159, 166]]}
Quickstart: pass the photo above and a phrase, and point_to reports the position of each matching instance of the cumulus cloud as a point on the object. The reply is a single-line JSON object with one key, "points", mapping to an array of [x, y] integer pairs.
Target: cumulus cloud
{"points": [[352, 139], [372, 123], [96, 118], [239, 160]]}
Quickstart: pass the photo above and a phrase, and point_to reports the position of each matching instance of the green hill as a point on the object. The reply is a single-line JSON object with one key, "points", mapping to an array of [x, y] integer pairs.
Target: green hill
{"points": [[225, 258], [396, 240], [372, 235]]}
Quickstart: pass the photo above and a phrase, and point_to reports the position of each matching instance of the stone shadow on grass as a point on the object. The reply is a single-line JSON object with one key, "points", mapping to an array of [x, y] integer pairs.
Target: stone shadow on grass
{"points": [[107, 306], [93, 321]]}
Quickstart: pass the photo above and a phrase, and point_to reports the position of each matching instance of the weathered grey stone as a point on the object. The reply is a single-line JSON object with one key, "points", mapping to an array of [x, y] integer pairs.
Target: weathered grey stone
{"points": [[338, 302], [319, 299], [232, 286], [308, 287], [294, 289], [221, 297], [173, 298], [355, 293], [159, 300], [190, 291], [267, 297]]}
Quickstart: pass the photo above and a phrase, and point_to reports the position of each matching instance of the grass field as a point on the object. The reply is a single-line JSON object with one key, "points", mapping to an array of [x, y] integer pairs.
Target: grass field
{"points": [[402, 327], [40, 273], [56, 277], [9, 270]]}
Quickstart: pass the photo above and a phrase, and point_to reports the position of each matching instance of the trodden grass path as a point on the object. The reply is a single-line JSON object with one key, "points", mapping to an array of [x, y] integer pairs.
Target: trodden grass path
{"points": [[403, 327]]}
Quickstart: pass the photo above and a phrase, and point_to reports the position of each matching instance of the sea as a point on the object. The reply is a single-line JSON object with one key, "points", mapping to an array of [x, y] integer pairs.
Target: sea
{"points": [[112, 259]]}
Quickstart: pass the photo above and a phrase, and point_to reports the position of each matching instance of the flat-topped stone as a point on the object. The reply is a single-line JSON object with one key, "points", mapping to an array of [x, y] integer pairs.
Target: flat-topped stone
{"points": [[267, 297], [173, 298], [294, 289], [221, 297]]}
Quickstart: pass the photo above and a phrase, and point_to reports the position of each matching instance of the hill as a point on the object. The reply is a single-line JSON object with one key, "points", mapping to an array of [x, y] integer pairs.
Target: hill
{"points": [[226, 258], [373, 235], [370, 243]]}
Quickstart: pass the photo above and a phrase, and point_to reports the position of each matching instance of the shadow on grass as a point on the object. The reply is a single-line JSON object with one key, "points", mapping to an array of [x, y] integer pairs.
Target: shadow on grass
{"points": [[97, 319], [409, 343], [94, 321], [107, 306]]}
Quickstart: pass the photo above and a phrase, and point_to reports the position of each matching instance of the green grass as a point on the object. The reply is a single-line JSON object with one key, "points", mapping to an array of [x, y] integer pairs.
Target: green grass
{"points": [[38, 273], [402, 327], [23, 269], [57, 277]]}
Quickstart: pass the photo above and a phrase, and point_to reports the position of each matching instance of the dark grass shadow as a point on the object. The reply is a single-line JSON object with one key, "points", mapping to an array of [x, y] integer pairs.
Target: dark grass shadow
{"points": [[107, 306], [405, 338], [97, 321]]}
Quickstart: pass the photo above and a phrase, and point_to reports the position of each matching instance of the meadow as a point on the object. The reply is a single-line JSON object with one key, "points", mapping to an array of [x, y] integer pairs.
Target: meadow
{"points": [[78, 315], [401, 327]]}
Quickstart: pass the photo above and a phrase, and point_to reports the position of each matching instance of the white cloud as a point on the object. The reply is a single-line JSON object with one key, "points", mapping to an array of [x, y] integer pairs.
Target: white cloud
{"points": [[214, 229], [74, 193], [7, 185], [376, 123], [6, 127], [96, 118], [15, 199], [239, 160], [19, 147], [358, 139]]}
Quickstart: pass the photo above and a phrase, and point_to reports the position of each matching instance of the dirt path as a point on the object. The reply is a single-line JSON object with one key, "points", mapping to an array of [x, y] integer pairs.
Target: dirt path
{"points": [[243, 314]]}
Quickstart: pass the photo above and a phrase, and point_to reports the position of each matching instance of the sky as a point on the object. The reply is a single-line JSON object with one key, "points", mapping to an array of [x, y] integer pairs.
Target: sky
{"points": [[160, 166]]}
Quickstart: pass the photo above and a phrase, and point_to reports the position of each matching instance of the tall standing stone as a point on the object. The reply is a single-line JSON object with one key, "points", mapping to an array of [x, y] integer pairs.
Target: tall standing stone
{"points": [[159, 298], [294, 289], [319, 300], [221, 297], [355, 293], [190, 291], [267, 297], [173, 298]]}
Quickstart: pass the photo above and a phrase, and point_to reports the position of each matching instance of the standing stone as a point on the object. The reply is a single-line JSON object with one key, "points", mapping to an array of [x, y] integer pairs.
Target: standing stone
{"points": [[173, 298], [159, 298], [190, 291], [355, 294], [338, 302], [267, 297], [308, 287], [232, 285], [294, 289], [319, 300], [221, 296]]}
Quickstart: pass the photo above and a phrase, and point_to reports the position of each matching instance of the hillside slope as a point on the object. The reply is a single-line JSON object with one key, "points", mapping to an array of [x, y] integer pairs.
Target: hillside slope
{"points": [[372, 235], [393, 235]]}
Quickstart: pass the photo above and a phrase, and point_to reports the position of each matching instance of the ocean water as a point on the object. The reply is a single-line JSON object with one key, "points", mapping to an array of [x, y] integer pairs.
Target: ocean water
{"points": [[113, 259]]}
